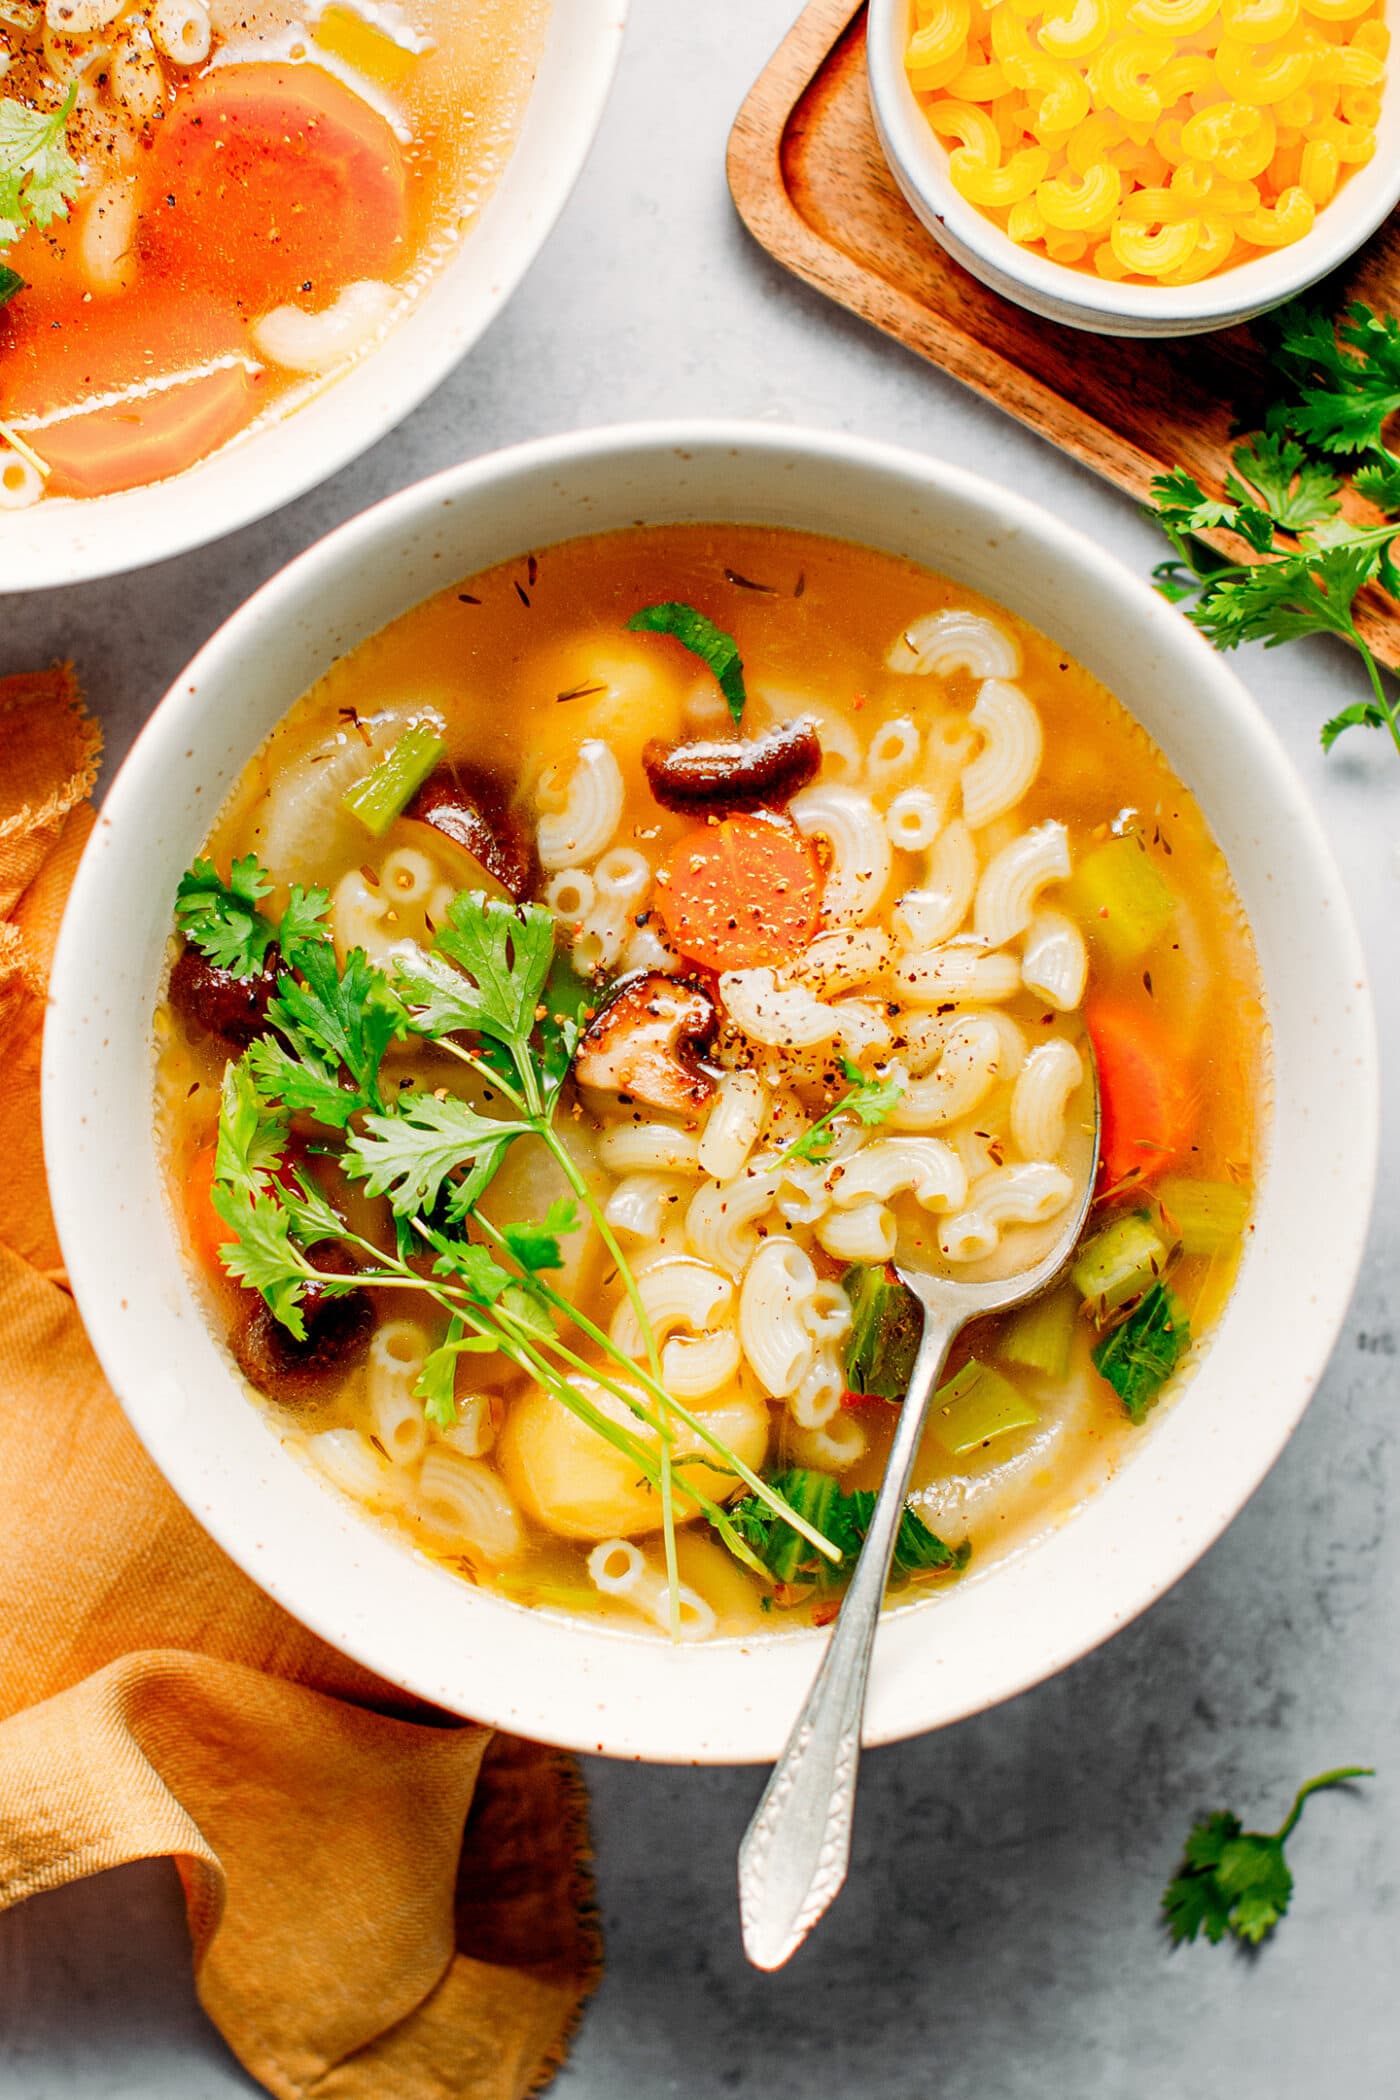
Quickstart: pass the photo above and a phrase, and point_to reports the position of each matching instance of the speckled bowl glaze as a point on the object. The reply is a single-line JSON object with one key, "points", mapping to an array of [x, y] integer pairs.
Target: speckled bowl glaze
{"points": [[919, 163], [568, 1680], [64, 541]]}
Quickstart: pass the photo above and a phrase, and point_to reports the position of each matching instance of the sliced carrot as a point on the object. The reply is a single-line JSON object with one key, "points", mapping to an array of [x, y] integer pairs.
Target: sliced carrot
{"points": [[208, 1231], [1146, 1100], [273, 182], [742, 893], [57, 354], [148, 438]]}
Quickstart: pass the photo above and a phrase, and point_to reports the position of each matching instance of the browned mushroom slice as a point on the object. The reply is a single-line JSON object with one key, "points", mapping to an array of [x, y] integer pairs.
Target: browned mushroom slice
{"points": [[758, 773], [206, 997], [471, 806], [643, 1044], [338, 1331]]}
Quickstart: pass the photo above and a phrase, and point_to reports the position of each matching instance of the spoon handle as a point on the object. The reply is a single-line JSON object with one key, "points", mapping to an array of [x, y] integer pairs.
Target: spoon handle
{"points": [[796, 1850]]}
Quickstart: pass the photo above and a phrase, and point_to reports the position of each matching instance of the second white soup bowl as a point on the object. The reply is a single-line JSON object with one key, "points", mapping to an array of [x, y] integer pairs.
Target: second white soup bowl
{"points": [[569, 1680]]}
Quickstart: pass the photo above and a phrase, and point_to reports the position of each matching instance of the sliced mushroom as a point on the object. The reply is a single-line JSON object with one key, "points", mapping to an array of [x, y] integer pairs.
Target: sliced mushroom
{"points": [[220, 1003], [756, 773], [470, 805], [644, 1042], [338, 1331]]}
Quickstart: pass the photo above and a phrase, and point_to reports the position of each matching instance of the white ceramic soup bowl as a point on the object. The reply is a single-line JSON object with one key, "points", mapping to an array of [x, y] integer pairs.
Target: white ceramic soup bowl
{"points": [[66, 540], [569, 1680], [919, 162]]}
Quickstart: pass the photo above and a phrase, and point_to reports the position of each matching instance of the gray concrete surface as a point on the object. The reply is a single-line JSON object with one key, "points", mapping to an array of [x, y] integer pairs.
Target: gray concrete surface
{"points": [[999, 1937]]}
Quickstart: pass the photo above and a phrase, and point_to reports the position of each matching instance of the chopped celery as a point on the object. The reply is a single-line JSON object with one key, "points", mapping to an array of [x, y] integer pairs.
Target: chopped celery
{"points": [[390, 787], [842, 1517], [1039, 1336], [976, 1406], [1119, 1263], [1119, 894], [1140, 1355], [886, 1328], [1203, 1217]]}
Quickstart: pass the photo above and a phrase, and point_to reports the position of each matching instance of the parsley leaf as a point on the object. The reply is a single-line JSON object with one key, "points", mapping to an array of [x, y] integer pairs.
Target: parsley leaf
{"points": [[537, 1246], [870, 1100], [503, 958], [1139, 1356], [1348, 376], [408, 1153], [222, 918], [718, 651], [337, 1018], [38, 176], [1233, 1880]]}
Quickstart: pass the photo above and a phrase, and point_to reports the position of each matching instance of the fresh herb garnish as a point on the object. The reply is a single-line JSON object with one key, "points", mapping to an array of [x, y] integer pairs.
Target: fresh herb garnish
{"points": [[887, 1325], [1233, 1880], [38, 176], [1286, 505], [718, 651], [869, 1100], [842, 1516], [485, 995], [10, 283], [1139, 1356]]}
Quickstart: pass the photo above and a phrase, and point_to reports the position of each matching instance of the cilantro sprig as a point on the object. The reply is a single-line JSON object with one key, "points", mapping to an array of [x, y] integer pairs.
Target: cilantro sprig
{"points": [[1237, 1881], [489, 993], [38, 176], [870, 1101], [1285, 502]]}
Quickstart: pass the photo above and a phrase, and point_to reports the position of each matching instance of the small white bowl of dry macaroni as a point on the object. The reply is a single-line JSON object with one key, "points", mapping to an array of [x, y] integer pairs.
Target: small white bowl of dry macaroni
{"points": [[559, 947], [1140, 167]]}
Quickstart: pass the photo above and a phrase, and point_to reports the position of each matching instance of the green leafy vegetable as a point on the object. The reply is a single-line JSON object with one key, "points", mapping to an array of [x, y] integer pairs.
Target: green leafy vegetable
{"points": [[502, 958], [887, 1326], [222, 918], [1233, 1880], [10, 283], [869, 1100], [1139, 1356], [841, 1516], [718, 651], [38, 176], [392, 784], [1286, 504], [336, 1019], [537, 1247], [408, 1154]]}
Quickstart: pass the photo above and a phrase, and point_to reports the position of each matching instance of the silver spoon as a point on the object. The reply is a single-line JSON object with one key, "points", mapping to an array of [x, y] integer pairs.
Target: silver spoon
{"points": [[796, 1851]]}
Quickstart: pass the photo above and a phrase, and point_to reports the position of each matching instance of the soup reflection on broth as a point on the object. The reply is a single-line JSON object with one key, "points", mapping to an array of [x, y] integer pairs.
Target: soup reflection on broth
{"points": [[222, 203], [558, 1064]]}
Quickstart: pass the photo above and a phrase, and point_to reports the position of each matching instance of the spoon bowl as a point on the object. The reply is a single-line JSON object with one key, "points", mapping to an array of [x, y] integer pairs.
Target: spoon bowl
{"points": [[796, 1851]]}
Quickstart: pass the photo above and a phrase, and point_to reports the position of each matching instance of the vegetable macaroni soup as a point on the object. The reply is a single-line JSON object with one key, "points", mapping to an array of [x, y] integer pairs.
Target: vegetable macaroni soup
{"points": [[208, 206], [598, 980]]}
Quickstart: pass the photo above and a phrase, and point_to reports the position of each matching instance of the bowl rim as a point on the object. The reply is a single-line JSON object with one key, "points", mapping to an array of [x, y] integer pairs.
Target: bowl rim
{"points": [[530, 1670], [920, 166], [105, 536]]}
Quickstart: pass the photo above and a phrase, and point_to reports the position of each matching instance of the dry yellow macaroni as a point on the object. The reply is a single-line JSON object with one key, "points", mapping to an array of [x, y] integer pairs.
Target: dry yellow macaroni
{"points": [[1155, 140]]}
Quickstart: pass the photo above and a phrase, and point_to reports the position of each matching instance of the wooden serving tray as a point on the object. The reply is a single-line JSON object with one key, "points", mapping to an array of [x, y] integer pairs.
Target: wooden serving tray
{"points": [[811, 184]]}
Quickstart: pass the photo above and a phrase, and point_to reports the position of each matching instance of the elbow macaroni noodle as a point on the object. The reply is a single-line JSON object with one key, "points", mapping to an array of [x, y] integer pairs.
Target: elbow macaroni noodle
{"points": [[1147, 139]]}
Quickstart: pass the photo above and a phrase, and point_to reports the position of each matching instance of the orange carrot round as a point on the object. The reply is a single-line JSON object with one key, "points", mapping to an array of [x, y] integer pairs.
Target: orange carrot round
{"points": [[1145, 1098], [208, 1231], [741, 893], [273, 182]]}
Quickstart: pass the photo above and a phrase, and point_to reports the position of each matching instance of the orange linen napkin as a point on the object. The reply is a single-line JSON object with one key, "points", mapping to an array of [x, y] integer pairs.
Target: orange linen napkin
{"points": [[385, 1903]]}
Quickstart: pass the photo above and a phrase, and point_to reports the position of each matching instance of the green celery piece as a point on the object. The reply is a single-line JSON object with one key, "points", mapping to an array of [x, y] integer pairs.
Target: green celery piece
{"points": [[977, 1405], [1140, 1355], [1119, 1263], [1039, 1336], [886, 1328], [385, 792], [1121, 898], [1203, 1217]]}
